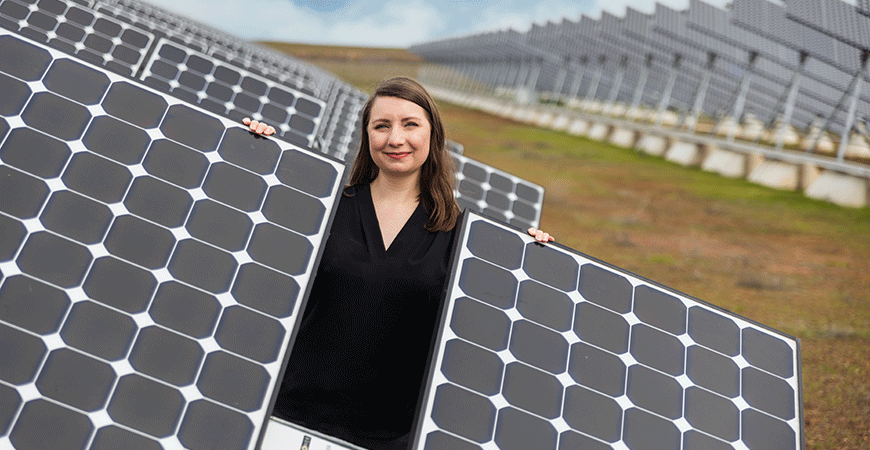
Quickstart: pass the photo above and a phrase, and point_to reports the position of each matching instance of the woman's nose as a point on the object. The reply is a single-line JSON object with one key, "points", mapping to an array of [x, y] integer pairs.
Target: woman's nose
{"points": [[397, 136]]}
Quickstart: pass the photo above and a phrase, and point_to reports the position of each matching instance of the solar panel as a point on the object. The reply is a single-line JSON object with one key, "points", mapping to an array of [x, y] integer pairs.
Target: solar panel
{"points": [[154, 259], [546, 348], [79, 30], [120, 35], [769, 19], [834, 18], [497, 194], [279, 67], [225, 89]]}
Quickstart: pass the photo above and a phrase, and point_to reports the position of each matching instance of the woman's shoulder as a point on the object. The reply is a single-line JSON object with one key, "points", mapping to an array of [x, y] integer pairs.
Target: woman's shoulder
{"points": [[352, 190]]}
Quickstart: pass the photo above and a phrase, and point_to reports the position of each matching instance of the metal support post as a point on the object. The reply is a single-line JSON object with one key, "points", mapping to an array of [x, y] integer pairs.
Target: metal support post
{"points": [[614, 88], [740, 103], [559, 84], [794, 86], [859, 74], [533, 77], [701, 93], [641, 83], [578, 78], [669, 88], [853, 107], [596, 78]]}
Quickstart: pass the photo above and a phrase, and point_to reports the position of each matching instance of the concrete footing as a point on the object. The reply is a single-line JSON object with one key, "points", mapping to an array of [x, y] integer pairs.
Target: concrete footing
{"points": [[544, 119], [578, 127], [725, 163], [857, 147], [653, 145], [685, 153], [623, 137], [776, 174], [599, 131], [561, 122], [840, 189]]}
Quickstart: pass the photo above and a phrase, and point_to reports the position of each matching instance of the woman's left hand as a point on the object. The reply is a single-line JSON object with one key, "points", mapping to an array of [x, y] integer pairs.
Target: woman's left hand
{"points": [[259, 127], [541, 236]]}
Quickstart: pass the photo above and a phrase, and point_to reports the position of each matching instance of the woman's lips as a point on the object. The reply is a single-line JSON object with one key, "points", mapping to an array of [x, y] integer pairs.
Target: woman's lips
{"points": [[398, 155]]}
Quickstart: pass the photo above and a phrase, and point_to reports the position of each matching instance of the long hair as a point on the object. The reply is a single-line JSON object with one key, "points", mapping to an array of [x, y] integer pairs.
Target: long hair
{"points": [[436, 174]]}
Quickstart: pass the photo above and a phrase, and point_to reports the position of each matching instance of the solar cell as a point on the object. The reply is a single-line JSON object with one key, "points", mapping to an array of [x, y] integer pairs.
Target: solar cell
{"points": [[153, 231], [543, 347]]}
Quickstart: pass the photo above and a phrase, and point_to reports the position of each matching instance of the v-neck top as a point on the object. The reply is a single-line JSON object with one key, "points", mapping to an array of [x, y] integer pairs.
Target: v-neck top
{"points": [[358, 362]]}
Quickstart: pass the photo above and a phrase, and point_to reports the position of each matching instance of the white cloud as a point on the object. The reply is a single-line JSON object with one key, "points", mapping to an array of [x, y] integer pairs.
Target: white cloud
{"points": [[396, 23]]}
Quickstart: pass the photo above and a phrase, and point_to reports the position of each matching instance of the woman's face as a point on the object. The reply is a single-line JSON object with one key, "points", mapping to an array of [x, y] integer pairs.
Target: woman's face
{"points": [[399, 132]]}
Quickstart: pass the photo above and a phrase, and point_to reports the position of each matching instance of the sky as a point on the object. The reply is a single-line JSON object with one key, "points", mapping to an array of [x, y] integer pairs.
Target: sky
{"points": [[390, 23]]}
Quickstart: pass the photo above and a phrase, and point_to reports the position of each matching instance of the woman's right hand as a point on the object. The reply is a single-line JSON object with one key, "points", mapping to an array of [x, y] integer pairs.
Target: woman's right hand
{"points": [[259, 127]]}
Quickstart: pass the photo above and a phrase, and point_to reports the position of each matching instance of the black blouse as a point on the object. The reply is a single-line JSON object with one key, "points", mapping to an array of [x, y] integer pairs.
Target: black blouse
{"points": [[358, 363]]}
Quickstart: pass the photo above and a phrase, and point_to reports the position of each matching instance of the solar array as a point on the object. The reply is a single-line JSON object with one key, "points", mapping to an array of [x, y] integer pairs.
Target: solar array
{"points": [[154, 259], [546, 348], [194, 63], [678, 45]]}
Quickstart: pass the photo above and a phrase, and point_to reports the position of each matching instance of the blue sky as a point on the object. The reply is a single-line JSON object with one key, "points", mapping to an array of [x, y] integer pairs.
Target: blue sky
{"points": [[389, 23]]}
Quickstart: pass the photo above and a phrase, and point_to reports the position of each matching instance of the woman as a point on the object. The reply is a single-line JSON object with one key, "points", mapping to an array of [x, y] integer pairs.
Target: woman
{"points": [[358, 363]]}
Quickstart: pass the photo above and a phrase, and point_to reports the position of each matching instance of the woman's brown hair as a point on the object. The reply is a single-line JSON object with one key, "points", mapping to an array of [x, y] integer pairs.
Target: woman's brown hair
{"points": [[436, 175]]}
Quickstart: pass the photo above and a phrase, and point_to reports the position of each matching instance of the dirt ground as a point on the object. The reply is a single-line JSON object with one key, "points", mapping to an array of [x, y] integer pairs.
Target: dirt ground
{"points": [[797, 265]]}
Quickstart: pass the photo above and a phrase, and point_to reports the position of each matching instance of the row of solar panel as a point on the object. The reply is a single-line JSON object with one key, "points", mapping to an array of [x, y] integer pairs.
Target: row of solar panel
{"points": [[694, 34]]}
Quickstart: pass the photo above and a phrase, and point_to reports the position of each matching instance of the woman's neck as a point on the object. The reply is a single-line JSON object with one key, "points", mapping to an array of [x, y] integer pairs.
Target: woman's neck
{"points": [[396, 189]]}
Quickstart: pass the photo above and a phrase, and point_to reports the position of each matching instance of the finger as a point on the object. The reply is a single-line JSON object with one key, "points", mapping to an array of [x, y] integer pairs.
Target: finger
{"points": [[261, 127], [270, 130], [546, 237], [246, 121], [532, 231], [253, 125]]}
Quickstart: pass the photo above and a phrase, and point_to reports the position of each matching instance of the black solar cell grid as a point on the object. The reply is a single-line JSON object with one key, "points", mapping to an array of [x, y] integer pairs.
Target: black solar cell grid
{"points": [[225, 89], [497, 194], [153, 260], [542, 347], [76, 29]]}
